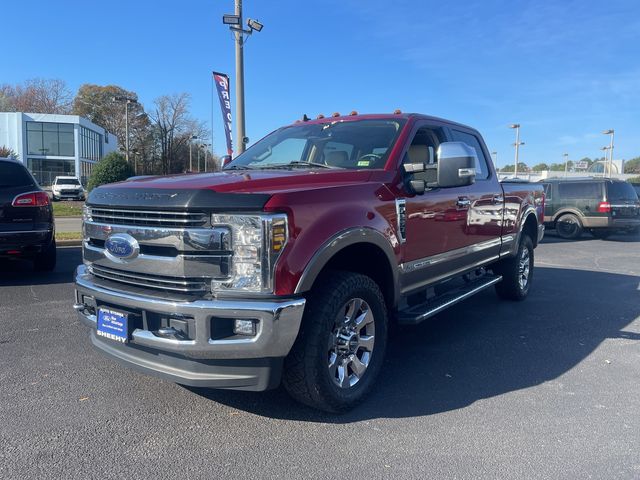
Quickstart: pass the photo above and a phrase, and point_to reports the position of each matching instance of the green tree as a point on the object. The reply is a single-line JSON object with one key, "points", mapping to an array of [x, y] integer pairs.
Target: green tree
{"points": [[633, 180], [112, 168], [632, 166], [540, 167]]}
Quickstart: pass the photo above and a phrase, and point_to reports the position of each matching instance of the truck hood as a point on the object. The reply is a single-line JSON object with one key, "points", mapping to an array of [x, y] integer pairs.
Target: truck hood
{"points": [[229, 189]]}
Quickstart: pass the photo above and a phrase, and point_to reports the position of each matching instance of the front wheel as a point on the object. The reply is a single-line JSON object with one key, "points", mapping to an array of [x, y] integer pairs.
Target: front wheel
{"points": [[517, 272], [340, 348]]}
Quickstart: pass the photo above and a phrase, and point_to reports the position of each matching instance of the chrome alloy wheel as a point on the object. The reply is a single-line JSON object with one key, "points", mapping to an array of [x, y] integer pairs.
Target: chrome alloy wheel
{"points": [[351, 343], [524, 266]]}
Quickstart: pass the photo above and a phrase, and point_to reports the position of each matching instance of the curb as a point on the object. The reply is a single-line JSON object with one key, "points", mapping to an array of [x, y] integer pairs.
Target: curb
{"points": [[69, 243]]}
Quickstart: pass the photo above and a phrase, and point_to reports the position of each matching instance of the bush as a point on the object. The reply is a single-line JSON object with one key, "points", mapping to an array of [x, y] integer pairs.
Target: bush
{"points": [[6, 152], [633, 180], [112, 168]]}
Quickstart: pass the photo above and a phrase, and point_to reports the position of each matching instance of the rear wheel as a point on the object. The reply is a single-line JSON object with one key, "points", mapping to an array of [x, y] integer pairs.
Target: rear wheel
{"points": [[569, 226], [45, 261], [517, 272], [340, 348]]}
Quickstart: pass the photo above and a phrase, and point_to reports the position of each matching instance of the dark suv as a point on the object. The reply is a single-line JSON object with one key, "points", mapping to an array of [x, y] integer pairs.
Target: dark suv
{"points": [[26, 217], [599, 205]]}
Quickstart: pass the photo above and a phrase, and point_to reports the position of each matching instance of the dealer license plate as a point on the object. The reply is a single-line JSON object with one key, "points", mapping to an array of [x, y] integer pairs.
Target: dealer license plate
{"points": [[112, 325]]}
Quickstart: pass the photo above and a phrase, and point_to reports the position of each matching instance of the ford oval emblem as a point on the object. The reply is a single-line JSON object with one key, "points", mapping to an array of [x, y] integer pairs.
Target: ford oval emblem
{"points": [[121, 246]]}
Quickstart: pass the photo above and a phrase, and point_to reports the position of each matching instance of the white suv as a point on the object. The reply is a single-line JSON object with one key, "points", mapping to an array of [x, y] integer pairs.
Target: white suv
{"points": [[67, 188]]}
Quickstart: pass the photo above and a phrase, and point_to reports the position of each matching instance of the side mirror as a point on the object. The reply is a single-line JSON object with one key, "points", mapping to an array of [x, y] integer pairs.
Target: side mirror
{"points": [[413, 183], [224, 160], [456, 164]]}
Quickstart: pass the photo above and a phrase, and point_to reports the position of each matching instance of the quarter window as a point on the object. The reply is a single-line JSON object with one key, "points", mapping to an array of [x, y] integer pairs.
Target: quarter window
{"points": [[580, 190]]}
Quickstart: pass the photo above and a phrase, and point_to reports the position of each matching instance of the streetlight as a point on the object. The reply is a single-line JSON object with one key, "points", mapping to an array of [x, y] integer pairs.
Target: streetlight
{"points": [[235, 25], [566, 163], [127, 101], [517, 145], [206, 146], [610, 132], [604, 161], [495, 160], [193, 137]]}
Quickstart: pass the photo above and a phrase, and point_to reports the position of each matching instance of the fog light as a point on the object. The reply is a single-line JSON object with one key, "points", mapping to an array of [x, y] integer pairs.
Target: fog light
{"points": [[244, 327]]}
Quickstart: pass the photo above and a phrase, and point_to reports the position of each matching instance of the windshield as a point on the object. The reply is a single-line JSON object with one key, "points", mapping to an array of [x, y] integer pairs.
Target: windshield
{"points": [[13, 174], [67, 181], [354, 144]]}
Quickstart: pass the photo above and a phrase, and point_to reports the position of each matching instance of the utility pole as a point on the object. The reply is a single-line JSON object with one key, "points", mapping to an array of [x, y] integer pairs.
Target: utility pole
{"points": [[193, 137], [198, 148], [495, 160], [610, 132], [126, 101], [566, 163], [235, 24], [516, 126]]}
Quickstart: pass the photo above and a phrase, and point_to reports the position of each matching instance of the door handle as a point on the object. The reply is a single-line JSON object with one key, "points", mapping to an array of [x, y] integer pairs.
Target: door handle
{"points": [[497, 199], [463, 202]]}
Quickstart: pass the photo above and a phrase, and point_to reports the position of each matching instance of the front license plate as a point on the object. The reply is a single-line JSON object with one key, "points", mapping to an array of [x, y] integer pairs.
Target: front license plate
{"points": [[113, 325]]}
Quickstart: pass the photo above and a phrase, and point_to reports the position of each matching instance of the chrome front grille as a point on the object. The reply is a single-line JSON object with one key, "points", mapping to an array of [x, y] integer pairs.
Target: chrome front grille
{"points": [[180, 259], [175, 284], [148, 218]]}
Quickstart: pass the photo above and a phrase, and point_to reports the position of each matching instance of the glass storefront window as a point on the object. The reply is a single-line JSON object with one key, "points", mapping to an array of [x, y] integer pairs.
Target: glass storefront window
{"points": [[45, 170], [46, 138]]}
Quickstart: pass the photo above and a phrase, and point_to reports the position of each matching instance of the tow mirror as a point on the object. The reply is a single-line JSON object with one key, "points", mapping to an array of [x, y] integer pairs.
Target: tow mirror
{"points": [[456, 164]]}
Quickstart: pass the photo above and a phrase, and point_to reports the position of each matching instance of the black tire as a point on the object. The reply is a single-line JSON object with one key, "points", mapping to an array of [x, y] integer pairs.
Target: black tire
{"points": [[307, 374], [600, 233], [513, 285], [46, 260], [569, 226]]}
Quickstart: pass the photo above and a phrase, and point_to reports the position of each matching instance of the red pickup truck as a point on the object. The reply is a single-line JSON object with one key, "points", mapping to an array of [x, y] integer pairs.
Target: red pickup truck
{"points": [[291, 264]]}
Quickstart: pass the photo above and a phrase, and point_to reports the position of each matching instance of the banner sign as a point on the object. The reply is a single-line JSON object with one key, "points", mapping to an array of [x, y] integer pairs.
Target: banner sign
{"points": [[222, 84], [582, 165]]}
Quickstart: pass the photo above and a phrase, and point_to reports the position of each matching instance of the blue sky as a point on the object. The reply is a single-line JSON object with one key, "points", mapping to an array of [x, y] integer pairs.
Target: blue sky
{"points": [[565, 70]]}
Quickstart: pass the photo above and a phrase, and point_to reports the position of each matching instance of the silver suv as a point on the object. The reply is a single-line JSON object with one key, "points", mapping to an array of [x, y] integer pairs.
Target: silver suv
{"points": [[68, 188]]}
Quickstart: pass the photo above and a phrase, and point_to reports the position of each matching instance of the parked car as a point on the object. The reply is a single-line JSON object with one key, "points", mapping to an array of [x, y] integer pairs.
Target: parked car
{"points": [[26, 217], [599, 205], [292, 262], [67, 188]]}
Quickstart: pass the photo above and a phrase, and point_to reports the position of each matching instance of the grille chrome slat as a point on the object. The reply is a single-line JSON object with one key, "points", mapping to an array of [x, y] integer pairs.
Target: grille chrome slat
{"points": [[132, 217], [177, 284]]}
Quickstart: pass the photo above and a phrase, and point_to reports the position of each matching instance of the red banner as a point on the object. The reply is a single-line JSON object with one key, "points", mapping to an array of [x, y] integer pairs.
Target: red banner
{"points": [[222, 84]]}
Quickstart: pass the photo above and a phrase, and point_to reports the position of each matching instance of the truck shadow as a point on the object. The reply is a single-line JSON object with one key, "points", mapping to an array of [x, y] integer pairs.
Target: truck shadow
{"points": [[480, 349]]}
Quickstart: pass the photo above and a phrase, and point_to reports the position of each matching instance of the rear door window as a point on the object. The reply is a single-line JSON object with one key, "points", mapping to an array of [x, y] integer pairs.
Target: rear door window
{"points": [[582, 190], [621, 191], [13, 174], [482, 170]]}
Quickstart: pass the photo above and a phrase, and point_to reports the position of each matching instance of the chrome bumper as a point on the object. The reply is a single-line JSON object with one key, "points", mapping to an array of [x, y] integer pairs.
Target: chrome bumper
{"points": [[278, 322]]}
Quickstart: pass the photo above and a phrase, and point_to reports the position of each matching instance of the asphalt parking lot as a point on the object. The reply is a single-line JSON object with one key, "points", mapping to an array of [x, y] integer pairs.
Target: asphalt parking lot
{"points": [[548, 388]]}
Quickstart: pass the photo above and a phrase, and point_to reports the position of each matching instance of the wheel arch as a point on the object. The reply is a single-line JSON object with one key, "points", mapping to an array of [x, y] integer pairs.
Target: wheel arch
{"points": [[361, 250]]}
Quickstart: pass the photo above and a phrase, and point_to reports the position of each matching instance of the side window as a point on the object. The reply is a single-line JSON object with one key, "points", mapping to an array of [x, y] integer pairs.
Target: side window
{"points": [[548, 188], [482, 170], [582, 190], [423, 149]]}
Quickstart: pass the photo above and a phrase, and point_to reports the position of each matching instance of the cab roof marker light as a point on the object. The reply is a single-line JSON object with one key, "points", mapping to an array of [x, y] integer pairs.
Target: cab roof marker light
{"points": [[320, 116], [335, 114], [397, 111], [353, 112]]}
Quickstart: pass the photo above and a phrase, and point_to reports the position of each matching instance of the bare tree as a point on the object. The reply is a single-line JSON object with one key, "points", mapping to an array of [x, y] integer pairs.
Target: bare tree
{"points": [[174, 128], [36, 96]]}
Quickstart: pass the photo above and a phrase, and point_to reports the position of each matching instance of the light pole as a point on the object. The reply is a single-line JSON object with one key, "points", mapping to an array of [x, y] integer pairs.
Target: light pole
{"points": [[604, 161], [127, 101], [193, 137], [495, 160], [235, 25], [610, 132], [517, 145], [206, 151], [566, 163], [198, 148]]}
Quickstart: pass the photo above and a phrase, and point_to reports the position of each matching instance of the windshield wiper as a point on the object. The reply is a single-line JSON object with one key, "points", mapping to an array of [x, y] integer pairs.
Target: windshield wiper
{"points": [[238, 167], [294, 164]]}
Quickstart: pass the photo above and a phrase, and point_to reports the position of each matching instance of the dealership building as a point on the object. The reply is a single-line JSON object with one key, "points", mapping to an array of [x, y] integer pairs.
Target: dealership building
{"points": [[55, 145]]}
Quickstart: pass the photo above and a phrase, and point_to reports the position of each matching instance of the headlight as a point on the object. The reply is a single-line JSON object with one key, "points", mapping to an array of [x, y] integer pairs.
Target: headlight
{"points": [[258, 241], [86, 213]]}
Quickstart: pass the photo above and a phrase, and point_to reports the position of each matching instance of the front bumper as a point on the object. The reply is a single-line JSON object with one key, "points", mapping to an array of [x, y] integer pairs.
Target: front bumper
{"points": [[251, 363]]}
